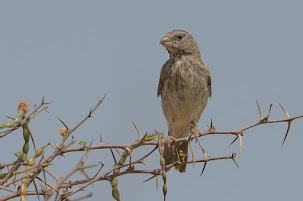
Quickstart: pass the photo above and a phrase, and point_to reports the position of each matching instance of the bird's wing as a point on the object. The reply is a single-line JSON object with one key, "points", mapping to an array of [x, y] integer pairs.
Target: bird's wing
{"points": [[209, 84], [206, 73], [163, 76]]}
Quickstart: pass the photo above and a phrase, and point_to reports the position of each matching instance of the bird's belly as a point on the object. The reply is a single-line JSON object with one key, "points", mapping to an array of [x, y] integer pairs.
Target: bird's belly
{"points": [[183, 105]]}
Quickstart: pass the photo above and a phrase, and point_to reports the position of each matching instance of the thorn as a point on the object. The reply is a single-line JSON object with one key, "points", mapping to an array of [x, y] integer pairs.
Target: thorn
{"points": [[42, 100], [156, 131], [120, 155], [130, 160], [289, 124], [211, 123], [195, 128], [142, 162], [12, 118], [143, 139], [234, 159], [113, 156], [203, 150], [233, 141], [90, 113], [36, 188], [204, 166], [45, 108], [157, 182], [240, 141], [212, 127], [192, 151], [208, 127], [102, 165], [64, 124], [131, 167], [270, 106], [284, 110], [101, 142], [140, 136], [149, 179], [261, 115]]}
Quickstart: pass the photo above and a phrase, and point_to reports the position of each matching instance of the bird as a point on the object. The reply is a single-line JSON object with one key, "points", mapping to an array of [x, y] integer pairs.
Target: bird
{"points": [[184, 87]]}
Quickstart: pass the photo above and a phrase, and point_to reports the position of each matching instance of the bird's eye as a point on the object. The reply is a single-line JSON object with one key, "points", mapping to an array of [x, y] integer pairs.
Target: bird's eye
{"points": [[180, 37]]}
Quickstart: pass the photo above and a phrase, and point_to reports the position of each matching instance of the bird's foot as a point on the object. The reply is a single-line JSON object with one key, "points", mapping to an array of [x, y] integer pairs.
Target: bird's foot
{"points": [[168, 140], [194, 129]]}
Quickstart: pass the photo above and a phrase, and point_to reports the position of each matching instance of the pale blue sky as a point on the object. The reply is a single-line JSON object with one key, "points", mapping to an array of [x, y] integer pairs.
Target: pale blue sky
{"points": [[70, 52]]}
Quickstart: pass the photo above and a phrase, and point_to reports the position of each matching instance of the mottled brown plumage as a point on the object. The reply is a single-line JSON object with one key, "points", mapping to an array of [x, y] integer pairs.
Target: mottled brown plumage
{"points": [[184, 86]]}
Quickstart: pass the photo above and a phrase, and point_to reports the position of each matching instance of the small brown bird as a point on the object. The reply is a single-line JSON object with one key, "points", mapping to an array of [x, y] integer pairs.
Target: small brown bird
{"points": [[184, 86]]}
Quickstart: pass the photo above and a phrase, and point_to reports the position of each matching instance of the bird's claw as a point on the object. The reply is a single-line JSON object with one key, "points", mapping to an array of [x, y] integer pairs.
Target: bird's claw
{"points": [[168, 140], [194, 129]]}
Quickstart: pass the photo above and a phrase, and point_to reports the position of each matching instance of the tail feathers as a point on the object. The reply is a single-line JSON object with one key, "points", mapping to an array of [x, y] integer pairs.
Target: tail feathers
{"points": [[177, 152]]}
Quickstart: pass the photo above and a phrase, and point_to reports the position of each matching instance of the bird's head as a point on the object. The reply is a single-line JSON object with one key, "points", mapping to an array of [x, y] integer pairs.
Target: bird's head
{"points": [[179, 43]]}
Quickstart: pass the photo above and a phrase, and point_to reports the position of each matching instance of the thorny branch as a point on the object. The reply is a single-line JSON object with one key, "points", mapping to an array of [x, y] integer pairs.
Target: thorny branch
{"points": [[63, 188]]}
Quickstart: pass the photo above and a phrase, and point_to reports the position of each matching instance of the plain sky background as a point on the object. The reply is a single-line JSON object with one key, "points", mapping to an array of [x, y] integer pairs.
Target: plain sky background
{"points": [[71, 52]]}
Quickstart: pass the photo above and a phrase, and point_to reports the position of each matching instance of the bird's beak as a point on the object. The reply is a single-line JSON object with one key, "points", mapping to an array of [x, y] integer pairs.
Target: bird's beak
{"points": [[166, 42]]}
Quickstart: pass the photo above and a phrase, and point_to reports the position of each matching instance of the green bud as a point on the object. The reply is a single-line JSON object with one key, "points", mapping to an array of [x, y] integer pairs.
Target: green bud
{"points": [[150, 137], [21, 112], [83, 142], [160, 150], [32, 160], [2, 125], [162, 162], [39, 152], [3, 175], [125, 154], [23, 190], [25, 148], [25, 180], [128, 149], [16, 168], [164, 189], [18, 120], [10, 124], [23, 198], [116, 171], [164, 177], [114, 182], [25, 135], [116, 194]]}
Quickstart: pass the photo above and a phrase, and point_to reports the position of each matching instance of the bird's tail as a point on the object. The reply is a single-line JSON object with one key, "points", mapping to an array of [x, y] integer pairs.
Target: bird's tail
{"points": [[177, 151]]}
